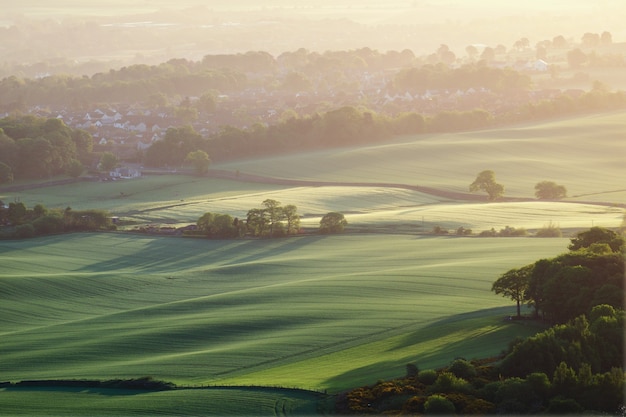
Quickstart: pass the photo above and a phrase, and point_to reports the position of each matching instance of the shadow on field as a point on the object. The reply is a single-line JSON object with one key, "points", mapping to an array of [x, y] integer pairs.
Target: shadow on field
{"points": [[172, 254], [475, 335], [442, 328], [109, 392]]}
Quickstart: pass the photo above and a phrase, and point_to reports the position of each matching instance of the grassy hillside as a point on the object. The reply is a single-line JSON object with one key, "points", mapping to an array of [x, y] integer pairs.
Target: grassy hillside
{"points": [[585, 154], [314, 312], [252, 312], [193, 402]]}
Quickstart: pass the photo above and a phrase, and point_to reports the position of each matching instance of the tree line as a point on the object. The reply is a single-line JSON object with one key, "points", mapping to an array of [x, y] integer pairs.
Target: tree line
{"points": [[18, 221], [571, 368], [562, 288], [271, 220], [35, 147], [575, 366]]}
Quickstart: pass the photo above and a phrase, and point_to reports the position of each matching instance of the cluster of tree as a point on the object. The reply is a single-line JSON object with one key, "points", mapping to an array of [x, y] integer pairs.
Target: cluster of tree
{"points": [[544, 190], [33, 147], [559, 289], [144, 83], [20, 222], [271, 220], [570, 368], [340, 127], [146, 383], [477, 76]]}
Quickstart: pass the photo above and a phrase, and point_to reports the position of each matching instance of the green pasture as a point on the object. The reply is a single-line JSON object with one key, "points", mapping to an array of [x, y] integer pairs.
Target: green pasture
{"points": [[308, 312], [181, 200], [585, 154], [188, 402]]}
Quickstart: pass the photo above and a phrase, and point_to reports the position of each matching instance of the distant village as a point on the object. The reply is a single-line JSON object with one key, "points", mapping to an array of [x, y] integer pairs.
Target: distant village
{"points": [[129, 129]]}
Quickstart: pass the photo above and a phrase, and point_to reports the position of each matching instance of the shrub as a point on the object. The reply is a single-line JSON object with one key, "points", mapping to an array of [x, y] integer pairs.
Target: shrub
{"points": [[438, 230], [462, 369], [550, 230], [448, 382], [411, 370], [560, 405], [509, 231], [461, 231], [48, 224], [414, 405], [332, 222], [438, 404], [24, 230], [427, 377], [488, 233]]}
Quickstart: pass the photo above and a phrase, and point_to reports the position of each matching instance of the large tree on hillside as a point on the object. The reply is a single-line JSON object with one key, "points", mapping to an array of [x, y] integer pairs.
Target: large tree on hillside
{"points": [[598, 235], [514, 284], [333, 222], [200, 161], [549, 190], [486, 181]]}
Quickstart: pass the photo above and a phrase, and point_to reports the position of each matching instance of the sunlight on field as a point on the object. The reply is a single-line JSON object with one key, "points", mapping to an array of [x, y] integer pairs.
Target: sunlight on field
{"points": [[199, 311], [479, 217], [584, 154]]}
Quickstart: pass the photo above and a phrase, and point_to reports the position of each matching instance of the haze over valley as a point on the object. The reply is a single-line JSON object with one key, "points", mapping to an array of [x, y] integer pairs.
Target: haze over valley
{"points": [[291, 208]]}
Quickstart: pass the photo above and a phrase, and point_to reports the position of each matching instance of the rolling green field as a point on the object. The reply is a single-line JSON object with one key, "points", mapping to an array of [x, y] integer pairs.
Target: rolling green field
{"points": [[318, 313]]}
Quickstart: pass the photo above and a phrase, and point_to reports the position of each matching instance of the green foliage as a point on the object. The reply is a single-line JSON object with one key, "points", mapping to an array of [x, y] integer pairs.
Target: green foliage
{"points": [[462, 231], [49, 224], [586, 239], [549, 190], [6, 173], [36, 147], [269, 220], [486, 181], [108, 161], [200, 161], [221, 226], [75, 168], [16, 212], [23, 231], [427, 376], [549, 230], [513, 284], [599, 344], [175, 147], [333, 222], [462, 369], [438, 404], [560, 405], [448, 382]]}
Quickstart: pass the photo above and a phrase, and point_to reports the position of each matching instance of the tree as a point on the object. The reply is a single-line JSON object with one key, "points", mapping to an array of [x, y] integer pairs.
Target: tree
{"points": [[549, 190], [257, 221], [16, 212], [218, 225], [438, 404], [6, 173], [598, 235], [514, 284], [108, 161], [576, 57], [333, 222], [486, 181], [292, 218], [200, 160], [274, 213], [75, 168]]}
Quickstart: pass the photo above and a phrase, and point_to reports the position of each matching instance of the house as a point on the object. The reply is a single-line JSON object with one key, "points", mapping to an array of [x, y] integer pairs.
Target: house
{"points": [[125, 172]]}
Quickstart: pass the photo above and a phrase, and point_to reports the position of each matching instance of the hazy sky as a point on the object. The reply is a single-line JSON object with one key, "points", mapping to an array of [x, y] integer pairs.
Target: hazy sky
{"points": [[457, 23]]}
